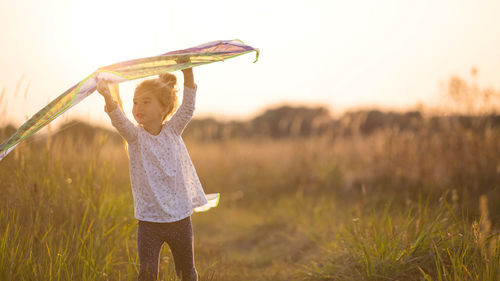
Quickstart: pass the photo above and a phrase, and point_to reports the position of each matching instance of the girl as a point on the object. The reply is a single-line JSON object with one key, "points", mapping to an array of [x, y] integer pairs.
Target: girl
{"points": [[164, 182]]}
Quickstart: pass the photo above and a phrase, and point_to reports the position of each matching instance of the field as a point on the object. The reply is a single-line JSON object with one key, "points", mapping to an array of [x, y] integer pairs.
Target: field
{"points": [[386, 204], [390, 206]]}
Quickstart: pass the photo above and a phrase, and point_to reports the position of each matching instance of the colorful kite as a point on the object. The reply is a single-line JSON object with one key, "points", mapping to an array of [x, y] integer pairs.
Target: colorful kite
{"points": [[126, 71]]}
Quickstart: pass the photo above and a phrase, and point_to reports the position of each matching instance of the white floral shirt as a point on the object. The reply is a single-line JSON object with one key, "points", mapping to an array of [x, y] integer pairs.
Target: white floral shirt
{"points": [[164, 182]]}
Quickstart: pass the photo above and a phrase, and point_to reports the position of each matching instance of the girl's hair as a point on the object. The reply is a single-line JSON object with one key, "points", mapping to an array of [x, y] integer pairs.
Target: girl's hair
{"points": [[163, 88]]}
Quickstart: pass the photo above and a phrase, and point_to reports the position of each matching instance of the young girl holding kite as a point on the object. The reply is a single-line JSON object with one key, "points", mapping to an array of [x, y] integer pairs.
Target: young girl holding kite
{"points": [[164, 182]]}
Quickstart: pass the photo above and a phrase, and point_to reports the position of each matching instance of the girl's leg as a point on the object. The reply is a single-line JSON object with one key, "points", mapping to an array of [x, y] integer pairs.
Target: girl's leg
{"points": [[180, 241], [148, 245]]}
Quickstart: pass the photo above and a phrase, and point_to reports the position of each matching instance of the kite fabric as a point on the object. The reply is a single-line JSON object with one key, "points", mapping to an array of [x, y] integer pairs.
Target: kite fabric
{"points": [[126, 71], [213, 201]]}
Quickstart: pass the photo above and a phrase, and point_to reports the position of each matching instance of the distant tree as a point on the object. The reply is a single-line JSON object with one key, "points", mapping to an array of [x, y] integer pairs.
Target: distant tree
{"points": [[286, 121]]}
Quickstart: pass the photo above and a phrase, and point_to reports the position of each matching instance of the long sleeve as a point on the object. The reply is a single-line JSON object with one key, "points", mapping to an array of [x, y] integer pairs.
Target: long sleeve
{"points": [[185, 112], [125, 128]]}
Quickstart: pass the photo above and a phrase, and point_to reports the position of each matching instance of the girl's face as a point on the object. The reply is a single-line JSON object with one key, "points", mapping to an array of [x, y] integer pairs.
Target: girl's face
{"points": [[147, 110]]}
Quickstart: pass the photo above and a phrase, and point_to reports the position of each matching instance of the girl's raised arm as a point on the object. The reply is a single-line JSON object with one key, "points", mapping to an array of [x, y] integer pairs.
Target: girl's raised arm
{"points": [[126, 129], [188, 78], [185, 112]]}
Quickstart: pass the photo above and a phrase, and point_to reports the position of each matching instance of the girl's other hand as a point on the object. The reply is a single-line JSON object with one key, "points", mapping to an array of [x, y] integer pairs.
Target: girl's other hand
{"points": [[188, 72], [183, 59], [103, 89]]}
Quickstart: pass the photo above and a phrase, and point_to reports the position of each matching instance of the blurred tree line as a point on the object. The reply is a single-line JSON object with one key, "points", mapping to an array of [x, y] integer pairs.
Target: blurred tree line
{"points": [[289, 121]]}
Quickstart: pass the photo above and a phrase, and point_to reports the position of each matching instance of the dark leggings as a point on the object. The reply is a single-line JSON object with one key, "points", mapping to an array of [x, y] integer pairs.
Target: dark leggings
{"points": [[179, 237]]}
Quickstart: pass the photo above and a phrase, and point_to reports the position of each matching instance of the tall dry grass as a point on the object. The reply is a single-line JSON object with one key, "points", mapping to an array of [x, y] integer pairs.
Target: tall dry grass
{"points": [[290, 210]]}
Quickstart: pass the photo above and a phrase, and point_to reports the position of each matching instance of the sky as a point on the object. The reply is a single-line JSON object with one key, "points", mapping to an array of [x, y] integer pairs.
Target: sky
{"points": [[339, 54]]}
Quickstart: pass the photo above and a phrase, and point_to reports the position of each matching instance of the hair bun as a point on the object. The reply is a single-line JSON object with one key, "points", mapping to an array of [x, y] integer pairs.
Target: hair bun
{"points": [[168, 79]]}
